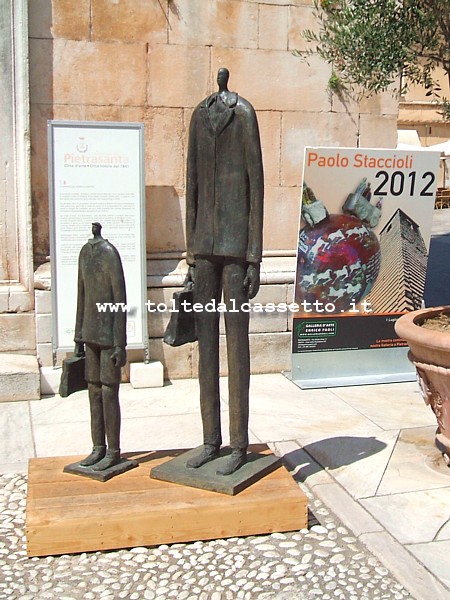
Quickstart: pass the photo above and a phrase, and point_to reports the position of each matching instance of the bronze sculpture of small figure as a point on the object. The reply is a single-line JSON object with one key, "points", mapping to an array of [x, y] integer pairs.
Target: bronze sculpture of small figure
{"points": [[224, 219], [102, 336]]}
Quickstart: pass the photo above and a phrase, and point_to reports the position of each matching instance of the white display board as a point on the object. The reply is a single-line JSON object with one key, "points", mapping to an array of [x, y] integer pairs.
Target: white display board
{"points": [[96, 173]]}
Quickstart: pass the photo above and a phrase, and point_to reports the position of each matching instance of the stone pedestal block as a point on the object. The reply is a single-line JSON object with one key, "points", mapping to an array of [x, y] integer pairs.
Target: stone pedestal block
{"points": [[50, 380], [17, 333], [146, 375], [43, 301], [45, 354], [19, 378]]}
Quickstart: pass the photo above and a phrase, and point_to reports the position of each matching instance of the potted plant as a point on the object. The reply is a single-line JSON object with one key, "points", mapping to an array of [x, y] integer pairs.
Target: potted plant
{"points": [[427, 332]]}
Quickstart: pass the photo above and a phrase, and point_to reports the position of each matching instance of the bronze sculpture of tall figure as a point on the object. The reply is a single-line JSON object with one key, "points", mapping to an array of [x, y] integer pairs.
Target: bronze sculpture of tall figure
{"points": [[103, 337], [224, 219]]}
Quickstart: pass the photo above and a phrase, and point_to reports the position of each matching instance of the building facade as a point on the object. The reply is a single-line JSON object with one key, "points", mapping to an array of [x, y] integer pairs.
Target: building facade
{"points": [[152, 61], [419, 112]]}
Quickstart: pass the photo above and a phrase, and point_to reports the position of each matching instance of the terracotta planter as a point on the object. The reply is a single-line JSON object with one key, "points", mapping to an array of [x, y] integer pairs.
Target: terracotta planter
{"points": [[430, 354]]}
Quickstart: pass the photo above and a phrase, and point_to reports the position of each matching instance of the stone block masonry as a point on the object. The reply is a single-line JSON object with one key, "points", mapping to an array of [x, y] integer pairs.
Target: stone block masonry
{"points": [[153, 62]]}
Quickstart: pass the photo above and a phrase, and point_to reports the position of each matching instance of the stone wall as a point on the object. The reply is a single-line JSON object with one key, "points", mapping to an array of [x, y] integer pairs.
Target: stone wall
{"points": [[153, 61]]}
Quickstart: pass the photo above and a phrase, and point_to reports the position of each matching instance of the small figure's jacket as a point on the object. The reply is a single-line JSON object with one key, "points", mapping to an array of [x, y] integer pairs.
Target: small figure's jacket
{"points": [[100, 279], [225, 182]]}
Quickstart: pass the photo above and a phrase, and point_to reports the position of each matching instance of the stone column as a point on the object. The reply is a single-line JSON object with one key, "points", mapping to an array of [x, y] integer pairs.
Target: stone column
{"points": [[19, 371], [16, 255]]}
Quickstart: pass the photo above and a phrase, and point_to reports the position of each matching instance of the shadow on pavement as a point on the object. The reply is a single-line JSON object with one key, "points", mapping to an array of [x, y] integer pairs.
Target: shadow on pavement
{"points": [[330, 453]]}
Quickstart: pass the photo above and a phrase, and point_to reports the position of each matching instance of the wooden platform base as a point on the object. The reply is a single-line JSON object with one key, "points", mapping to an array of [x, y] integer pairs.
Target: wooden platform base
{"points": [[67, 514]]}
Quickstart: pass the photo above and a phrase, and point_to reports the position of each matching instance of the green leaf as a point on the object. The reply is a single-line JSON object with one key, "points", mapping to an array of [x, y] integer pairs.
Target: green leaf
{"points": [[376, 45]]}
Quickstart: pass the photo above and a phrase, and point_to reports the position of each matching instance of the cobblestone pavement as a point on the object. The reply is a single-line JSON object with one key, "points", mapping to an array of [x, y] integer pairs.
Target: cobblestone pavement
{"points": [[324, 562]]}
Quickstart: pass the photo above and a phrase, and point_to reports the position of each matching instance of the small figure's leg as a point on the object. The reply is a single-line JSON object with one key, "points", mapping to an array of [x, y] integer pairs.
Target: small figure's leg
{"points": [[111, 415], [97, 425], [112, 458], [98, 452]]}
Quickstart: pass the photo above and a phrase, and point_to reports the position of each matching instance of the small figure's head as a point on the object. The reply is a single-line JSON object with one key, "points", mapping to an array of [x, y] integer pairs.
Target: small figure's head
{"points": [[223, 75], [96, 228]]}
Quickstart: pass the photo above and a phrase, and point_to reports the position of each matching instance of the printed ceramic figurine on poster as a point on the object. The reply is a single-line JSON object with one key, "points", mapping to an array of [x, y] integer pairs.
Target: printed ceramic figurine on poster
{"points": [[338, 254]]}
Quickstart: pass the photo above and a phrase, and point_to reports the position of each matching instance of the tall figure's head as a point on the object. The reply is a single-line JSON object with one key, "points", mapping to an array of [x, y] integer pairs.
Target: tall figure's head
{"points": [[223, 76]]}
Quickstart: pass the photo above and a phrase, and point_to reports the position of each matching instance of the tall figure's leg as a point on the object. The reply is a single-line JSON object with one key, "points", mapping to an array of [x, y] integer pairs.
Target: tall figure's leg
{"points": [[236, 324], [207, 288], [92, 375]]}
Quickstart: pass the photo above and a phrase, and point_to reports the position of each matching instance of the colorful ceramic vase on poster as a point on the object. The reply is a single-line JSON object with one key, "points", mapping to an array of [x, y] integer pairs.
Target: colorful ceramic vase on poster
{"points": [[338, 255]]}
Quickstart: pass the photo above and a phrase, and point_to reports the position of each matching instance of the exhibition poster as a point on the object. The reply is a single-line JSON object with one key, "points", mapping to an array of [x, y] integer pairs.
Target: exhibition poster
{"points": [[365, 227], [96, 174]]}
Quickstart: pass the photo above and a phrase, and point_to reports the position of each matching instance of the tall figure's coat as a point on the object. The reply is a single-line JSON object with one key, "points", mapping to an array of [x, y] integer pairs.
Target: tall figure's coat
{"points": [[224, 221]]}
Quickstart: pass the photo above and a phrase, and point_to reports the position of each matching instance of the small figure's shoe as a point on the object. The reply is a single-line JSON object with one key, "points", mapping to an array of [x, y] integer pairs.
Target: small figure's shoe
{"points": [[112, 458], [237, 458], [98, 452], [206, 454]]}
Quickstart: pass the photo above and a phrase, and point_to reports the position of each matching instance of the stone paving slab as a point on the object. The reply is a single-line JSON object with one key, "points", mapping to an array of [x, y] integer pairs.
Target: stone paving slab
{"points": [[415, 464], [412, 517], [435, 557], [16, 436], [357, 463], [386, 404]]}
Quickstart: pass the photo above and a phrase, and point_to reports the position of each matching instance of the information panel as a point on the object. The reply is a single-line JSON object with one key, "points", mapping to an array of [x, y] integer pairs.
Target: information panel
{"points": [[96, 173], [363, 244]]}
